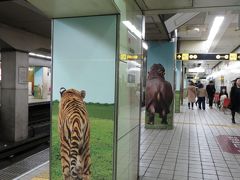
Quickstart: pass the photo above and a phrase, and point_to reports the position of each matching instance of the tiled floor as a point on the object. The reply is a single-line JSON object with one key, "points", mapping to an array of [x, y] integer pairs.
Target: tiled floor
{"points": [[31, 165], [190, 151], [38, 173]]}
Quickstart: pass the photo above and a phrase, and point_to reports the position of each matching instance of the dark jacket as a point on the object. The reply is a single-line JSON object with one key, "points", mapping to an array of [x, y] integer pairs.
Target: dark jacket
{"points": [[210, 90], [235, 99]]}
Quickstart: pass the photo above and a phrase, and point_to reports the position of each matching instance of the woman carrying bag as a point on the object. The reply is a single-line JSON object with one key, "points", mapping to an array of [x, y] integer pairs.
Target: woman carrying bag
{"points": [[235, 99], [191, 94]]}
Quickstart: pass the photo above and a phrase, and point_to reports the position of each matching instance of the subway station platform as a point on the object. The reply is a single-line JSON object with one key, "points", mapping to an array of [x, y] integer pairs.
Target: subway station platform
{"points": [[202, 145], [40, 172], [35, 167]]}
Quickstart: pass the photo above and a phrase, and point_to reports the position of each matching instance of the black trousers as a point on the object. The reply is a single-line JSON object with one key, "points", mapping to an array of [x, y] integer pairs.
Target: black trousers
{"points": [[210, 98], [234, 112], [233, 116], [189, 104], [201, 102]]}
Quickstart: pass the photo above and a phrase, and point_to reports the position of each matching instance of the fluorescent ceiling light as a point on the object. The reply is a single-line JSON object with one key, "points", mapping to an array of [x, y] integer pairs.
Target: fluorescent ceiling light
{"points": [[39, 55], [132, 28], [196, 29], [214, 29], [145, 46], [196, 70]]}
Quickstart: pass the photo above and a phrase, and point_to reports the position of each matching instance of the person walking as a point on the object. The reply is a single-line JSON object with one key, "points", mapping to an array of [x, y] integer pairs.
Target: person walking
{"points": [[210, 91], [235, 99], [223, 95], [202, 94], [191, 94]]}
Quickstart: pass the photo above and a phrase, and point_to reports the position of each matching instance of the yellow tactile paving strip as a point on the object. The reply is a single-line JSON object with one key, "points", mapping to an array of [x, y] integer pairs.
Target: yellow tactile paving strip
{"points": [[42, 176]]}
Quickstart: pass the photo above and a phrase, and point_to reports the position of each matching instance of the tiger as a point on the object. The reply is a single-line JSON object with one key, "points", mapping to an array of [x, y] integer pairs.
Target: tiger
{"points": [[74, 132]]}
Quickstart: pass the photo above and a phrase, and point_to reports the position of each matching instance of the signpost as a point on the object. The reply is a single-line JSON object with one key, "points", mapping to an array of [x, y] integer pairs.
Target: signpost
{"points": [[195, 56]]}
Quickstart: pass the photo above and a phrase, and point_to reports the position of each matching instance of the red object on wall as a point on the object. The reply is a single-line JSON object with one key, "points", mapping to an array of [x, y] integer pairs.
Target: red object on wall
{"points": [[230, 144]]}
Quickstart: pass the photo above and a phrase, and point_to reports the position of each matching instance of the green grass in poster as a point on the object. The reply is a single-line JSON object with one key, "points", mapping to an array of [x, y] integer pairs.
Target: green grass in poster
{"points": [[177, 101], [158, 120], [101, 140]]}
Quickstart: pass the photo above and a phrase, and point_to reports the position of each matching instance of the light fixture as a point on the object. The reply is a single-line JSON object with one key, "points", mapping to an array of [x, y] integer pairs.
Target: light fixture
{"points": [[39, 55], [196, 70], [214, 30], [132, 28], [145, 46], [196, 29]]}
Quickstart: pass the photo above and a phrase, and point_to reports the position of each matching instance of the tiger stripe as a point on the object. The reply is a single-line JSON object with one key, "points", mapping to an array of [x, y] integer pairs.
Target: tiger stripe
{"points": [[74, 131]]}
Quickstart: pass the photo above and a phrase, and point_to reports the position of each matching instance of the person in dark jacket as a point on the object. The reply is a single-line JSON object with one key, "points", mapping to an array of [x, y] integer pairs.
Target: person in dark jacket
{"points": [[210, 91], [235, 98]]}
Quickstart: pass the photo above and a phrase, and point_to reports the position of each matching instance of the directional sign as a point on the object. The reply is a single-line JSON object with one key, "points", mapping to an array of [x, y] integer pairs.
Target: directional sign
{"points": [[125, 57], [233, 57], [179, 56], [193, 56], [185, 57]]}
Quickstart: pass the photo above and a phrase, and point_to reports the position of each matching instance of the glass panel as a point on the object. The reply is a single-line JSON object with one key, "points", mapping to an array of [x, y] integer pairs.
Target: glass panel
{"points": [[130, 65], [84, 53]]}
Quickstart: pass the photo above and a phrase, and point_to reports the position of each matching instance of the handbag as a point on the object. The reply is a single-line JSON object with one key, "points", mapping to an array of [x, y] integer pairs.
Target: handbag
{"points": [[226, 103]]}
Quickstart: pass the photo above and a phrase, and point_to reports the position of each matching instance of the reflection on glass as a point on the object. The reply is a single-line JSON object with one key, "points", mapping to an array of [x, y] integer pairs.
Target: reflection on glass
{"points": [[129, 89]]}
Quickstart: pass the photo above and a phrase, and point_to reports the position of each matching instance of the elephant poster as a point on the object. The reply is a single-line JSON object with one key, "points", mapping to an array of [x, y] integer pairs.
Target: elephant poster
{"points": [[159, 98]]}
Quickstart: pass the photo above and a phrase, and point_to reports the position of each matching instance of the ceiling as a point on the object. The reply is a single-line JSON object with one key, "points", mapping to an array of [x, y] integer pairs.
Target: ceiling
{"points": [[193, 29], [22, 15], [73, 8], [192, 18]]}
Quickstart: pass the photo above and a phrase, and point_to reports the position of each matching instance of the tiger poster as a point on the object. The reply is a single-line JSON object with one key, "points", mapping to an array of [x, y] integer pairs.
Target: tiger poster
{"points": [[83, 97]]}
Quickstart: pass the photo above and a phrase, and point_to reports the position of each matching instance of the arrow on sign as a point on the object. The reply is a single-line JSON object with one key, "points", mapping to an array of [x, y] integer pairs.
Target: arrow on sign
{"points": [[179, 56]]}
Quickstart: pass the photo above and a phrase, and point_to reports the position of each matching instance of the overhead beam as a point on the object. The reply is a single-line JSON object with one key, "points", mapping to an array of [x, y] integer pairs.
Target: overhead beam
{"points": [[23, 40], [29, 6], [188, 10], [75, 8], [161, 26], [142, 4], [178, 20]]}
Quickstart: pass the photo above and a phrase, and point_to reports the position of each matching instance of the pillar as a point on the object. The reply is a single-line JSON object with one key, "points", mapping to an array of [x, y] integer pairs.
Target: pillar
{"points": [[160, 73], [182, 85], [14, 107], [178, 75]]}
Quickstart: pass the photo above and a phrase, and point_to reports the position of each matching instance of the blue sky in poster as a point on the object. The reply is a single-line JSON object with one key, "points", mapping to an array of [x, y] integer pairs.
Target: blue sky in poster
{"points": [[38, 76], [84, 56], [163, 53]]}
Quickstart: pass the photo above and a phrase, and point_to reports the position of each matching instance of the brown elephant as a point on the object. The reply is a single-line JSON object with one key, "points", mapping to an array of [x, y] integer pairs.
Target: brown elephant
{"points": [[159, 94]]}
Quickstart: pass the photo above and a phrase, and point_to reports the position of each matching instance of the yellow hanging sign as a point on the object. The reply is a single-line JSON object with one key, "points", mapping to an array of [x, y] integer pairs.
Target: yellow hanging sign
{"points": [[185, 56], [233, 57]]}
